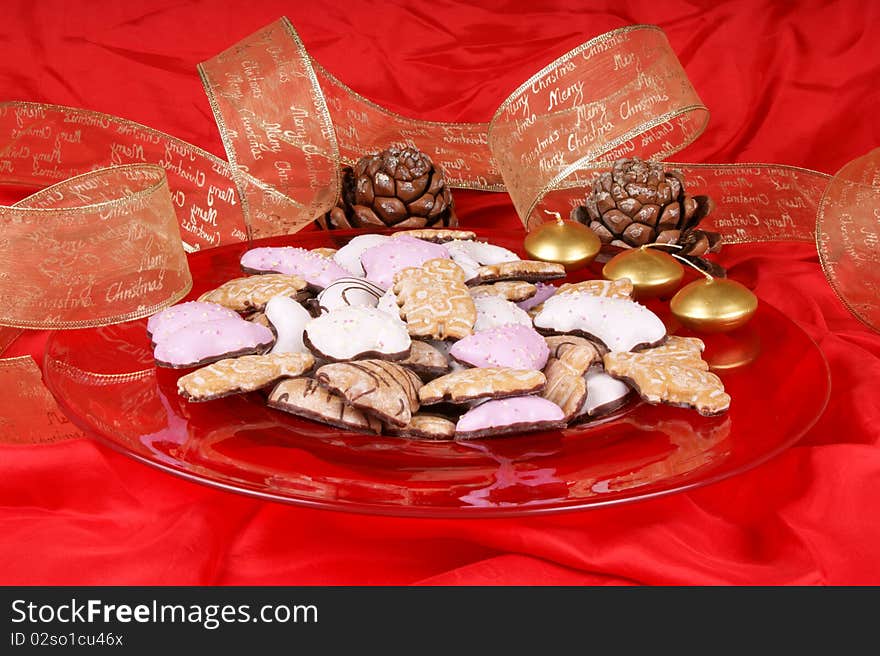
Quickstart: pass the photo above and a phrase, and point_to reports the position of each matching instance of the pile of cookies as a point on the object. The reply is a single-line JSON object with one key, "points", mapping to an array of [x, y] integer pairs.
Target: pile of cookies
{"points": [[428, 334]]}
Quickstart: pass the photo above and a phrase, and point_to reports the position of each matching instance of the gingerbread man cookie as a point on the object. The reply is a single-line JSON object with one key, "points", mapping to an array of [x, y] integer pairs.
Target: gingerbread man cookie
{"points": [[434, 301]]}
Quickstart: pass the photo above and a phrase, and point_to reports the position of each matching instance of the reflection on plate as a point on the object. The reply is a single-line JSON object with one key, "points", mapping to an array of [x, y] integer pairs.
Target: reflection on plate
{"points": [[105, 380]]}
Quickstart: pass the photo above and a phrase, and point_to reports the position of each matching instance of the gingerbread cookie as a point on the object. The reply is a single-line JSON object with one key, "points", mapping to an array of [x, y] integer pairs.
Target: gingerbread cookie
{"points": [[353, 333], [437, 236], [349, 256], [382, 262], [618, 324], [173, 318], [511, 346], [570, 358], [514, 415], [383, 389], [288, 318], [621, 288], [425, 360], [489, 382], [434, 301], [686, 351], [494, 312], [305, 398], [515, 291], [576, 353], [528, 270], [564, 389], [674, 374], [426, 426], [204, 342], [471, 255], [318, 271], [260, 318], [253, 292], [347, 292], [241, 375]]}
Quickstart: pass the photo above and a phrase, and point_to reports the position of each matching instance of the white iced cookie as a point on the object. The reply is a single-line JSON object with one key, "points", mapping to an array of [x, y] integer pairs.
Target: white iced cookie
{"points": [[471, 255], [349, 256], [352, 333], [604, 393], [347, 292], [620, 324], [494, 311], [388, 304], [288, 318]]}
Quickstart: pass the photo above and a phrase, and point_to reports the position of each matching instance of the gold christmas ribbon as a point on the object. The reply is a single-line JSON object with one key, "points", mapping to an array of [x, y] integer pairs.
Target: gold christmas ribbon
{"points": [[90, 250], [287, 122], [98, 248], [848, 237]]}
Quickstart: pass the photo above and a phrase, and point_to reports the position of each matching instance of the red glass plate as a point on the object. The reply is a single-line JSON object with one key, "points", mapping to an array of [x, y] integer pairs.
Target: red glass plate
{"points": [[105, 380]]}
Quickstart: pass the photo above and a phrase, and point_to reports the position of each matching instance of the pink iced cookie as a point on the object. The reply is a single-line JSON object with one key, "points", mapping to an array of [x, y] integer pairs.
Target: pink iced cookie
{"points": [[172, 319], [518, 414], [382, 262], [514, 346], [208, 341], [315, 269], [544, 292]]}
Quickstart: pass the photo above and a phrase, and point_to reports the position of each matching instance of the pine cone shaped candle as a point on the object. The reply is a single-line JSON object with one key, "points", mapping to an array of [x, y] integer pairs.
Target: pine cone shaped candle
{"points": [[639, 203], [399, 187]]}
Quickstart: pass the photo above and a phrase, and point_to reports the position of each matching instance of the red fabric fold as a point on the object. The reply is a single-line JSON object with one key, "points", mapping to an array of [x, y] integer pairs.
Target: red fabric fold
{"points": [[790, 83]]}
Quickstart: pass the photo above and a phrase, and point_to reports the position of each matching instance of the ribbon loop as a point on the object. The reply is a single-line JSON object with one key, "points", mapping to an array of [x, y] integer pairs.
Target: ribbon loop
{"points": [[623, 93], [96, 249]]}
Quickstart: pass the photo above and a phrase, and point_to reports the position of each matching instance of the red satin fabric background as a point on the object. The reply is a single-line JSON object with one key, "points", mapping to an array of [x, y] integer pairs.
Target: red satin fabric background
{"points": [[793, 83]]}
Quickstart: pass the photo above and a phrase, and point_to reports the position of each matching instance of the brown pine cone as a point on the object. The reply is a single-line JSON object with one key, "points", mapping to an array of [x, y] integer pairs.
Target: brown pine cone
{"points": [[638, 203], [399, 187]]}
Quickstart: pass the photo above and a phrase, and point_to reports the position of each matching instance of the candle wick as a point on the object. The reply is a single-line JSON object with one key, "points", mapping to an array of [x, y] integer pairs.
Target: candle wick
{"points": [[708, 276], [559, 219]]}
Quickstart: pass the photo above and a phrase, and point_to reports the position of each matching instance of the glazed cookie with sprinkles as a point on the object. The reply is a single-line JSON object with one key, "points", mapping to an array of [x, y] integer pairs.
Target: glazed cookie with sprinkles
{"points": [[318, 271], [514, 346], [494, 312], [348, 292], [471, 255], [349, 256], [353, 333], [176, 317], [381, 263], [520, 414], [201, 343], [618, 324]]}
